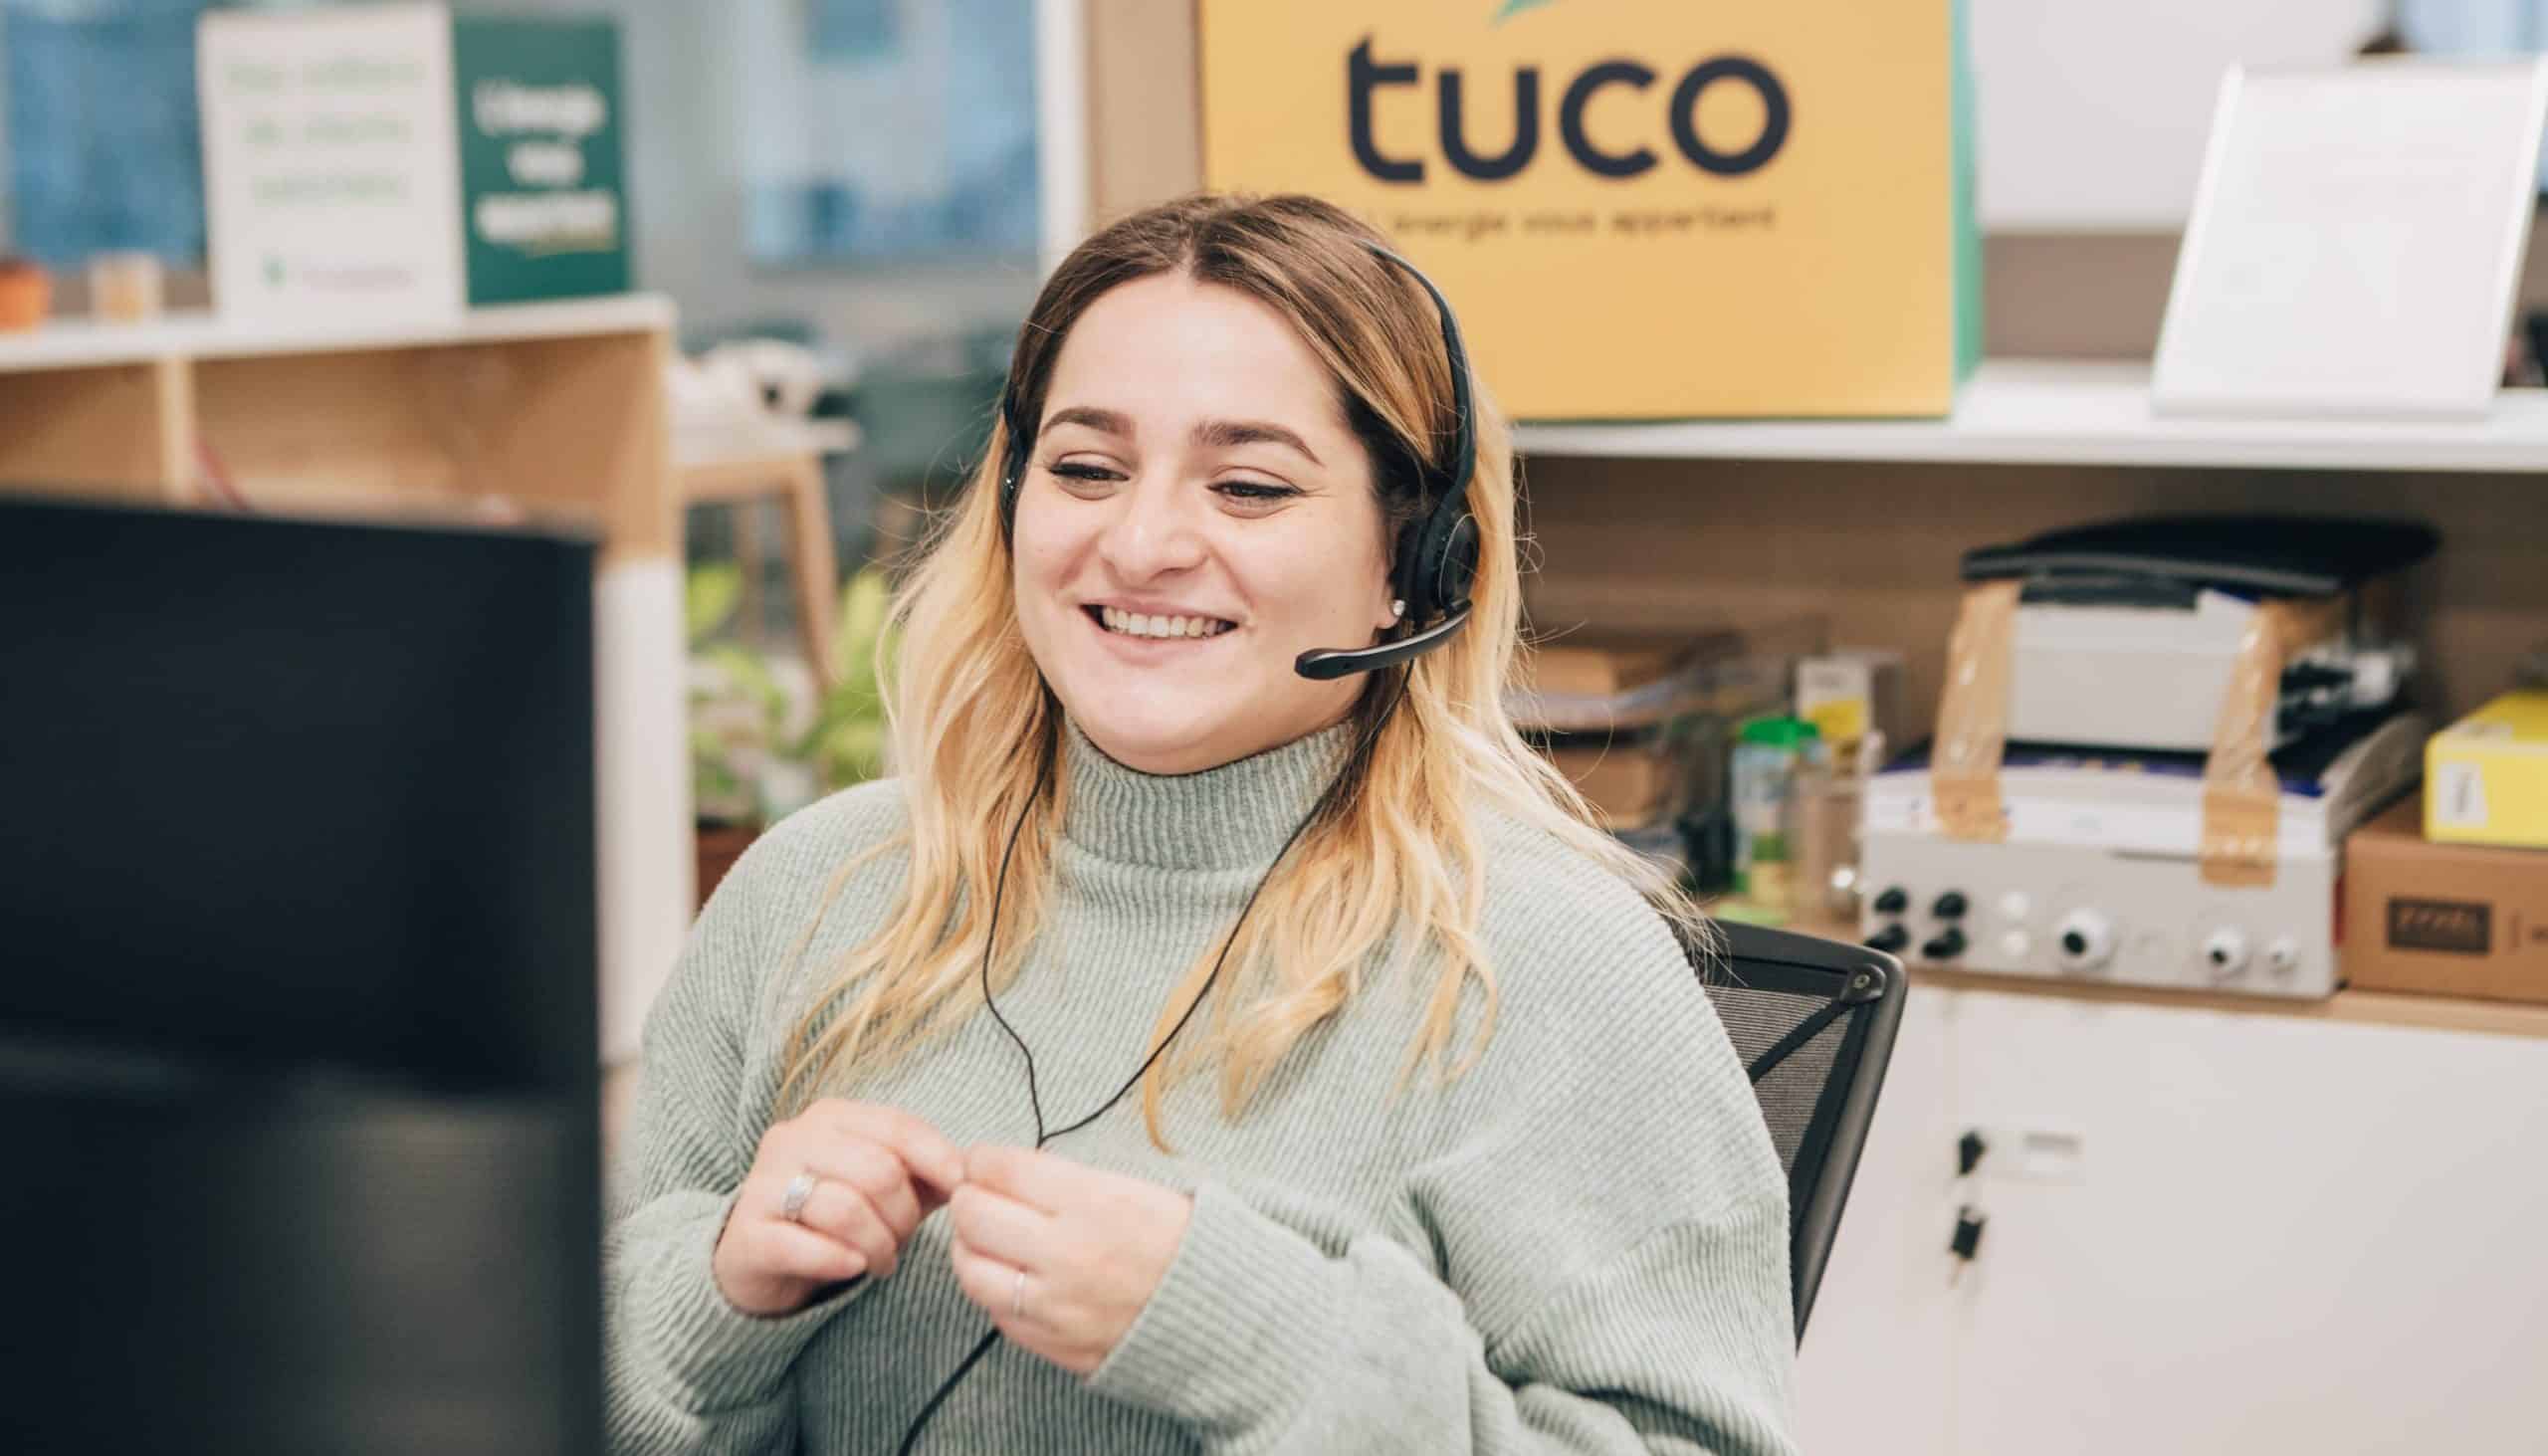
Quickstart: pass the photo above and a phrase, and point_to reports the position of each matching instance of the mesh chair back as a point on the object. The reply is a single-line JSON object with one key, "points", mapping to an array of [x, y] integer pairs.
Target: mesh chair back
{"points": [[1813, 1021]]}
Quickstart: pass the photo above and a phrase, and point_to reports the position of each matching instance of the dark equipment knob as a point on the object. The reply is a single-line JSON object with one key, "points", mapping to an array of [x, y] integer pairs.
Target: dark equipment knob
{"points": [[1894, 900], [1947, 944], [1950, 905], [1890, 939]]}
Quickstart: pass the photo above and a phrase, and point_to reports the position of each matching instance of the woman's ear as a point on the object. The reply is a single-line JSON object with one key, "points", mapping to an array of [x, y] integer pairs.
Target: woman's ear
{"points": [[1391, 609], [1393, 612]]}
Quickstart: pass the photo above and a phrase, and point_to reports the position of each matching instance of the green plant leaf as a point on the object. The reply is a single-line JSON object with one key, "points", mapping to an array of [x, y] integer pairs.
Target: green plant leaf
{"points": [[845, 741], [864, 605], [710, 594], [851, 753]]}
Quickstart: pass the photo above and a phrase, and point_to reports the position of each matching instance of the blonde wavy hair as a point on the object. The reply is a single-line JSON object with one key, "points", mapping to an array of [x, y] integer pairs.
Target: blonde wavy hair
{"points": [[975, 732]]}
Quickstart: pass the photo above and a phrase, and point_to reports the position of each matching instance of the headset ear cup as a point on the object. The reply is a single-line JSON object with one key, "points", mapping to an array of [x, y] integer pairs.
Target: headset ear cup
{"points": [[1438, 559], [1406, 570], [1455, 568]]}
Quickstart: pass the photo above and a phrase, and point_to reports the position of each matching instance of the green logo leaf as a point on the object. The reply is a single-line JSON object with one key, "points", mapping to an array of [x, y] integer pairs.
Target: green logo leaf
{"points": [[1510, 8]]}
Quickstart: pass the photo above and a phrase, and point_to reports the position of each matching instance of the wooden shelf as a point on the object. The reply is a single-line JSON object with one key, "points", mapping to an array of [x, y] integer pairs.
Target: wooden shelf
{"points": [[80, 343], [538, 411], [2057, 412], [2367, 1008]]}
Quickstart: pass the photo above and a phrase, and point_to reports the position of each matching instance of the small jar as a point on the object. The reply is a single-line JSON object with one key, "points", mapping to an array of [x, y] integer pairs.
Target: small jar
{"points": [[26, 293], [125, 288], [1830, 803]]}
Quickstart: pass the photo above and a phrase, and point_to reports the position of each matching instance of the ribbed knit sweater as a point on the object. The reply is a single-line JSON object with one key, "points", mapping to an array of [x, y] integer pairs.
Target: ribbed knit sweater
{"points": [[1580, 1245]]}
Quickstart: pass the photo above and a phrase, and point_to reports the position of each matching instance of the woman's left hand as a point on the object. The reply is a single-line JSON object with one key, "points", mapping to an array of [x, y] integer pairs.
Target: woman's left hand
{"points": [[1092, 1246]]}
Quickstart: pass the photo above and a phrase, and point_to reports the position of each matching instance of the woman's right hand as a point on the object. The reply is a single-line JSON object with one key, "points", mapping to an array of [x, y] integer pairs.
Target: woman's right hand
{"points": [[878, 1171]]}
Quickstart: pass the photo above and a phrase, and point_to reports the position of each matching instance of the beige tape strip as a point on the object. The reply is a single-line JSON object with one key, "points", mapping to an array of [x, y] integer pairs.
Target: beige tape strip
{"points": [[1972, 715], [2241, 796]]}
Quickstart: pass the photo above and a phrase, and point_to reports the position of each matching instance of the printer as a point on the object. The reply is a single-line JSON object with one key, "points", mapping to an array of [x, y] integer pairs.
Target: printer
{"points": [[2127, 632], [2154, 738]]}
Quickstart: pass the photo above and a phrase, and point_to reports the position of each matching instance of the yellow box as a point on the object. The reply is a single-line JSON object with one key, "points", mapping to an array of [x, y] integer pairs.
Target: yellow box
{"points": [[2486, 775], [1711, 207]]}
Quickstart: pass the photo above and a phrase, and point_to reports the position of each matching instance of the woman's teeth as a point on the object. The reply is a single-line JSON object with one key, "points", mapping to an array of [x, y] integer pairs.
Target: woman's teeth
{"points": [[1137, 624]]}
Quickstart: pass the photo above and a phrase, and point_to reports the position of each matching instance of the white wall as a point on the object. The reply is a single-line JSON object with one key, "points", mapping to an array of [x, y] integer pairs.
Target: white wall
{"points": [[2093, 114]]}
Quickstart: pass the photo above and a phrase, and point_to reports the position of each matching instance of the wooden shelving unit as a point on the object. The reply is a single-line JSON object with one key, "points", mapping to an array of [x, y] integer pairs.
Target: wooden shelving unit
{"points": [[550, 413], [555, 409], [1864, 522], [2095, 445]]}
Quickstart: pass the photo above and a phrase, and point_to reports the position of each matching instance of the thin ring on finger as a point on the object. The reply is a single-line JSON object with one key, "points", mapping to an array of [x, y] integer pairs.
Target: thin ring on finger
{"points": [[791, 1203], [1017, 1297]]}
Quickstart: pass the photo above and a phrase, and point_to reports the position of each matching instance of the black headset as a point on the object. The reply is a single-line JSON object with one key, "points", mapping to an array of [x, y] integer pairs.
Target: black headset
{"points": [[1436, 561]]}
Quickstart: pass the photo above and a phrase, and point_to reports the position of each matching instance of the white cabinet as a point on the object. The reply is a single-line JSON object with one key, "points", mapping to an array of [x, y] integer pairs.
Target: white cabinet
{"points": [[1876, 1372], [2210, 1232]]}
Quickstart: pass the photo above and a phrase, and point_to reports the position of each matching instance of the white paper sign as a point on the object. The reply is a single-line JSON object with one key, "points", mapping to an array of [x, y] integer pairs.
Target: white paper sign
{"points": [[332, 170], [2356, 241]]}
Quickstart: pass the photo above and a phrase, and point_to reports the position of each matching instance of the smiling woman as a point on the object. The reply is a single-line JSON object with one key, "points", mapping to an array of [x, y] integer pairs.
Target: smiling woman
{"points": [[1199, 515], [1205, 769]]}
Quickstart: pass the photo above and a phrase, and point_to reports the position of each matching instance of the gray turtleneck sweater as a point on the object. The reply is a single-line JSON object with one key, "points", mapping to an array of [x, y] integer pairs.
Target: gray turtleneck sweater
{"points": [[1577, 1246]]}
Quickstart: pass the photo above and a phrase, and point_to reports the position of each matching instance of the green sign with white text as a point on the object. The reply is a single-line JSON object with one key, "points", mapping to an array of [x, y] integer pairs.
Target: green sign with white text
{"points": [[542, 201]]}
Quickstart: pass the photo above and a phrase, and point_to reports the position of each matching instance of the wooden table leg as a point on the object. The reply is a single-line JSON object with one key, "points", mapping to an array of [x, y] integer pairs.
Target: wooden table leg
{"points": [[749, 559], [810, 519]]}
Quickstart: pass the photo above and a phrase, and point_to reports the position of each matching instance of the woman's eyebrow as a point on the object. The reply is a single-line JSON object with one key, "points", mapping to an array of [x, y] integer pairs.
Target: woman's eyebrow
{"points": [[1103, 421], [1228, 434]]}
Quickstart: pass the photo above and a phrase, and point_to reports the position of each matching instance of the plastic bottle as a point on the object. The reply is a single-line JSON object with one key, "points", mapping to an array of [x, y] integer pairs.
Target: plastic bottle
{"points": [[1767, 755]]}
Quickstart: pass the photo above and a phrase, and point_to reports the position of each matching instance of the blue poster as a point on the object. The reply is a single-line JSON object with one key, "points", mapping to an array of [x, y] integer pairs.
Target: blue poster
{"points": [[103, 150]]}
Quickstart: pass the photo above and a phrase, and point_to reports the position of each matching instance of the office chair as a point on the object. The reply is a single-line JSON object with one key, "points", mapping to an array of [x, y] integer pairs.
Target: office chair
{"points": [[1813, 1022]]}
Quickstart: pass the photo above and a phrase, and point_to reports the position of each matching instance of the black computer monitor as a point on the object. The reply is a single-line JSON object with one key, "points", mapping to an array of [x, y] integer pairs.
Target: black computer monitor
{"points": [[299, 1142]]}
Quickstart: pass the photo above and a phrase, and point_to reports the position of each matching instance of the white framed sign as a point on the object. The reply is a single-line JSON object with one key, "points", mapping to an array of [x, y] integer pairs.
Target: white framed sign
{"points": [[330, 167], [2356, 241]]}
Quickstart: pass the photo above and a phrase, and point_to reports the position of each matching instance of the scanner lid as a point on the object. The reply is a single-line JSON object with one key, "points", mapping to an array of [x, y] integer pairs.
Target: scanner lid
{"points": [[2304, 768], [2260, 555]]}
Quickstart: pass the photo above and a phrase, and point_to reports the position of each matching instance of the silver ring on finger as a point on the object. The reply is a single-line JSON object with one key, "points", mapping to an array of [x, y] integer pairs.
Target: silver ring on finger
{"points": [[791, 1205], [1018, 1298]]}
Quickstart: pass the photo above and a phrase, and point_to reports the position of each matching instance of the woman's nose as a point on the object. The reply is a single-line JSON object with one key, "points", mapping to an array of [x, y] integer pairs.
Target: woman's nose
{"points": [[1153, 532]]}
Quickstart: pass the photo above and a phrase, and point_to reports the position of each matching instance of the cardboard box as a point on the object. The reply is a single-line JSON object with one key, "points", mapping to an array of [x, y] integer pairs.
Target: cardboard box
{"points": [[1640, 212], [2447, 919], [1626, 683], [1640, 720], [1628, 784], [2486, 775], [1607, 665]]}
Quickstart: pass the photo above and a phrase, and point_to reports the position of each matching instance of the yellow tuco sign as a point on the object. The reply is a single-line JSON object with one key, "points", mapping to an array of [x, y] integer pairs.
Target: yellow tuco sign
{"points": [[1641, 210]]}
